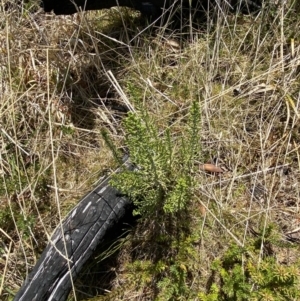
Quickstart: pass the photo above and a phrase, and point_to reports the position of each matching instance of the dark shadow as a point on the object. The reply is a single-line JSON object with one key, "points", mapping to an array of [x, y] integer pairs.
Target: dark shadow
{"points": [[92, 89]]}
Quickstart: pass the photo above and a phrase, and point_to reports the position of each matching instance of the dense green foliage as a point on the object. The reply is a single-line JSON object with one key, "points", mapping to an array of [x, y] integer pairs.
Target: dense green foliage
{"points": [[243, 276]]}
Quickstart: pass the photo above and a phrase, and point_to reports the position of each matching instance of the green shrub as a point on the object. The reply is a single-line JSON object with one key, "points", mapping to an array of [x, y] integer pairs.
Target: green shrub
{"points": [[244, 275], [162, 180]]}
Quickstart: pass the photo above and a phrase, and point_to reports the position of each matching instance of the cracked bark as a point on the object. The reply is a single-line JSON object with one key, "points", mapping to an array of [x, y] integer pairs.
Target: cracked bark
{"points": [[83, 230]]}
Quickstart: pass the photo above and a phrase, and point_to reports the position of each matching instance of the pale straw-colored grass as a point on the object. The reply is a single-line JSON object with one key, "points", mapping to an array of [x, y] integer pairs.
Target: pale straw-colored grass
{"points": [[62, 79]]}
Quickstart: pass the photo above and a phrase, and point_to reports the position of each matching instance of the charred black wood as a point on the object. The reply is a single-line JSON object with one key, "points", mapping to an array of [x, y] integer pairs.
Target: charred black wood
{"points": [[73, 243], [67, 7], [150, 7]]}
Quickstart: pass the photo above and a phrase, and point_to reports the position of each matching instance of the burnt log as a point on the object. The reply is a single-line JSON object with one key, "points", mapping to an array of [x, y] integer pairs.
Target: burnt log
{"points": [[68, 7], [73, 243], [150, 7]]}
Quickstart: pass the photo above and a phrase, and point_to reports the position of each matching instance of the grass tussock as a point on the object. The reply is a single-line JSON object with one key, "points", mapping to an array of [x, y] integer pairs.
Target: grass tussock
{"points": [[65, 79]]}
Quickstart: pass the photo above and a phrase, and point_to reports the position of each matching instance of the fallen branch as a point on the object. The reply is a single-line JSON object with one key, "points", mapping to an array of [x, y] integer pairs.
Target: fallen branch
{"points": [[73, 244]]}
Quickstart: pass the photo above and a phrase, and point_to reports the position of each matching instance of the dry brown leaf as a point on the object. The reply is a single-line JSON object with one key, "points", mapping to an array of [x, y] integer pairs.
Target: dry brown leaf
{"points": [[202, 210], [210, 168]]}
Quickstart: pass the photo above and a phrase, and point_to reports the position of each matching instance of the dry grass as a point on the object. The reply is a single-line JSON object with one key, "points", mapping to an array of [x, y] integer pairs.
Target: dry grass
{"points": [[62, 79]]}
